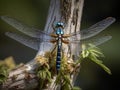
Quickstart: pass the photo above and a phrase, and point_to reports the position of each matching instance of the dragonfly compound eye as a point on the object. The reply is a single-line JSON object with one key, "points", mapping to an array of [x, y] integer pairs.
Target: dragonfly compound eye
{"points": [[59, 24]]}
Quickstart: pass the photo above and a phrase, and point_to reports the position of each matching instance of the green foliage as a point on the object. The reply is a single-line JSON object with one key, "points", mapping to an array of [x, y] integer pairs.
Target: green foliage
{"points": [[64, 76], [3, 74], [93, 53], [5, 66], [44, 75], [44, 70], [64, 80]]}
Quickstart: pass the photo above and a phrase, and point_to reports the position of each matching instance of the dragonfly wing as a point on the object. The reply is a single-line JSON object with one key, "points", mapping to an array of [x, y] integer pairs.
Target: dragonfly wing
{"points": [[25, 40], [75, 48], [97, 40], [45, 47], [34, 43], [30, 31], [94, 29], [76, 44]]}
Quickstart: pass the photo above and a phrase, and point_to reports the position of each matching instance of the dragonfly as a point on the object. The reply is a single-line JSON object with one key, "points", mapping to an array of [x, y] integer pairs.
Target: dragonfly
{"points": [[35, 38]]}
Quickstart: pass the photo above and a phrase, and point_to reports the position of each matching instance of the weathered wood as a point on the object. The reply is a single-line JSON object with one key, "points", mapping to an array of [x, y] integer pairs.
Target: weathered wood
{"points": [[67, 11]]}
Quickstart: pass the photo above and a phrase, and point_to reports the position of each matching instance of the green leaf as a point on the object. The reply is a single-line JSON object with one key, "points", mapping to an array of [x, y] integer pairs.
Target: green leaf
{"points": [[48, 74], [49, 78], [2, 78], [67, 79], [66, 86], [58, 79], [3, 73], [85, 53], [94, 59], [106, 69], [99, 62], [41, 74], [76, 88], [95, 51]]}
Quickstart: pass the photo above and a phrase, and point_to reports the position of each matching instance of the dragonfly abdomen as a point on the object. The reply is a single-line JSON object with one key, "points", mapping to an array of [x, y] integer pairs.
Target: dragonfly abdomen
{"points": [[58, 58]]}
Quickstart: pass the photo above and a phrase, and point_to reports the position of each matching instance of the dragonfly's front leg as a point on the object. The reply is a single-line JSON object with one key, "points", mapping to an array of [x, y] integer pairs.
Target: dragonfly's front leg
{"points": [[53, 41], [53, 35]]}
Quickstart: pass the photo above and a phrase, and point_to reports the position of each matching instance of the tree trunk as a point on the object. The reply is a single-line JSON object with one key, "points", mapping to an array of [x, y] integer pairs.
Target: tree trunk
{"points": [[67, 11]]}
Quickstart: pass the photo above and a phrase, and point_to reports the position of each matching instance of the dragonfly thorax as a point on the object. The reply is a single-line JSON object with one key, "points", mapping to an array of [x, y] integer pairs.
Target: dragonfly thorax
{"points": [[59, 31]]}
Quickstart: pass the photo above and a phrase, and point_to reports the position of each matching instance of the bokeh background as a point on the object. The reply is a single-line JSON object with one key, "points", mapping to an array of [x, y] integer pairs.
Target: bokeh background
{"points": [[34, 13]]}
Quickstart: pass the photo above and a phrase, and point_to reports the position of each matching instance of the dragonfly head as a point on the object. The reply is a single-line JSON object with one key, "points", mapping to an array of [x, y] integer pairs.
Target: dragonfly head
{"points": [[59, 24]]}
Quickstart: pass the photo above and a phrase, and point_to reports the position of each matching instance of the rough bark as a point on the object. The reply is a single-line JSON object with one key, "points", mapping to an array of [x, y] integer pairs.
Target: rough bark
{"points": [[67, 11]]}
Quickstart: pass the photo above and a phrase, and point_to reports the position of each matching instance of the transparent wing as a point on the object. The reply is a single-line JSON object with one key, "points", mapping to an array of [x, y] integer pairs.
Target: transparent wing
{"points": [[33, 38], [31, 42], [33, 32], [94, 29], [86, 34], [25, 40], [30, 31], [98, 40], [94, 40]]}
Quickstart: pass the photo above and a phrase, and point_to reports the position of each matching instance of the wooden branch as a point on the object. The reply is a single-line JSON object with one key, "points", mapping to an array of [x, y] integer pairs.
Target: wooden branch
{"points": [[67, 11]]}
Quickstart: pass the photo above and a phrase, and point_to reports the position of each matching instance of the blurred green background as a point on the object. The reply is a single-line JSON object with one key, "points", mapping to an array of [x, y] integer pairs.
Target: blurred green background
{"points": [[34, 13]]}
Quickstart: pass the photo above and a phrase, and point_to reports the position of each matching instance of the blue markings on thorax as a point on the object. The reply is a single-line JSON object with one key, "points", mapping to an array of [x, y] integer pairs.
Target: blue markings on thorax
{"points": [[59, 31]]}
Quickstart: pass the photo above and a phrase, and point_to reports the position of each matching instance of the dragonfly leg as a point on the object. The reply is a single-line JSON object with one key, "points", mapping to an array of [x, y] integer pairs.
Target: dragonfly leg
{"points": [[66, 36], [53, 35], [53, 41], [65, 41]]}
